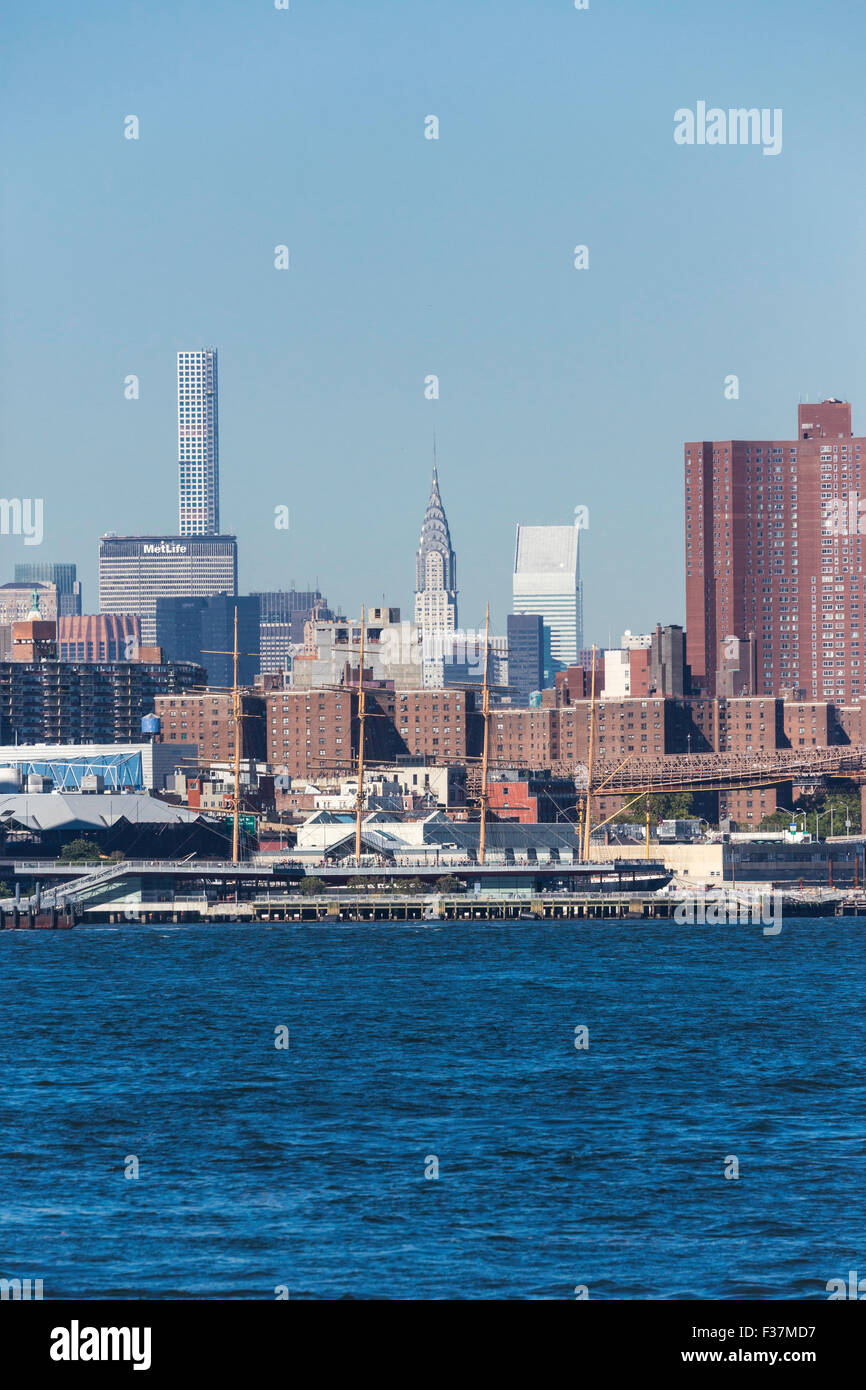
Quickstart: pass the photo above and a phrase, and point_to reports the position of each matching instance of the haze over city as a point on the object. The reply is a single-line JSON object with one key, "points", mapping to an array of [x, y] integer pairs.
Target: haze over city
{"points": [[412, 256]]}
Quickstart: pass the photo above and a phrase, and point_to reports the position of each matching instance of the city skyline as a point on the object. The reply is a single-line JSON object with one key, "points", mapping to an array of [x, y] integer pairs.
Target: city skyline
{"points": [[436, 549]]}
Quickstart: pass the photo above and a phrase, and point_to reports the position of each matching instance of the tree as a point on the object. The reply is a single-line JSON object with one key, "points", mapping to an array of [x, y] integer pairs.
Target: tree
{"points": [[78, 852], [779, 820], [448, 884], [839, 797], [311, 885], [662, 806]]}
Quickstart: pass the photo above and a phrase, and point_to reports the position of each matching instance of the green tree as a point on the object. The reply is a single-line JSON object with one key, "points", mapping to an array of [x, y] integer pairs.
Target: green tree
{"points": [[79, 852], [662, 806], [312, 886], [779, 820], [839, 797], [448, 884]]}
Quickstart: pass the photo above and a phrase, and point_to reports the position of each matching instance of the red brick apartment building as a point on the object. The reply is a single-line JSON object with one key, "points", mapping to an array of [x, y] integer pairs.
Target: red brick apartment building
{"points": [[206, 720], [774, 547], [311, 732], [315, 731]]}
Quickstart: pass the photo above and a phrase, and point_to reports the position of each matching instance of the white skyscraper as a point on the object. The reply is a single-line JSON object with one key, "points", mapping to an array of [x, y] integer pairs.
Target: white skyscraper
{"points": [[198, 443], [435, 589], [547, 581]]}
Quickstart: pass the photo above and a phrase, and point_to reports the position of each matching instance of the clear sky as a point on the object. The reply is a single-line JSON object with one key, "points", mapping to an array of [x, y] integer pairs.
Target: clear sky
{"points": [[408, 257]]}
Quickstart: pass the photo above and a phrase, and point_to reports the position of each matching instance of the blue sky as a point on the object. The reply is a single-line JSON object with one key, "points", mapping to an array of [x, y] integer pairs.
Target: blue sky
{"points": [[409, 257]]}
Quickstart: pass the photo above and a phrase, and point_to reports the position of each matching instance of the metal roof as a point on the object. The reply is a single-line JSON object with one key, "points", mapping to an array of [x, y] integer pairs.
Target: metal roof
{"points": [[73, 810]]}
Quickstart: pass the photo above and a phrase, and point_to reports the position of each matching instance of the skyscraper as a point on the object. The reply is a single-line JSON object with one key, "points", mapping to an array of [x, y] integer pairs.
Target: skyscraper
{"points": [[198, 443], [134, 571], [435, 571], [282, 615], [775, 549], [201, 630], [525, 655], [547, 582]]}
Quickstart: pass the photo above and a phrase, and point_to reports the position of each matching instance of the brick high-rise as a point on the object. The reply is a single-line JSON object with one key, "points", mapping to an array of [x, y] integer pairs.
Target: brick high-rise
{"points": [[774, 547]]}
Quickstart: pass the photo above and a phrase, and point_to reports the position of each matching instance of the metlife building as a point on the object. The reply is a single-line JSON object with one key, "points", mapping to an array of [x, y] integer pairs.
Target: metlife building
{"points": [[134, 571]]}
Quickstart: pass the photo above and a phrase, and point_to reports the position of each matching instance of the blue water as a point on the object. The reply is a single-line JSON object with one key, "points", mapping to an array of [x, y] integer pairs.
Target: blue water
{"points": [[305, 1167]]}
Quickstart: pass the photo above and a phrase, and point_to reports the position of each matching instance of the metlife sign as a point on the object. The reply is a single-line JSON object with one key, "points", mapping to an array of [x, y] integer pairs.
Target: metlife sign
{"points": [[136, 571]]}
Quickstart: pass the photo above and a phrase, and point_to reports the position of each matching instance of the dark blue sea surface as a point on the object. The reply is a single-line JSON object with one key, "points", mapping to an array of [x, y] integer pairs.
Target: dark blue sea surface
{"points": [[558, 1168]]}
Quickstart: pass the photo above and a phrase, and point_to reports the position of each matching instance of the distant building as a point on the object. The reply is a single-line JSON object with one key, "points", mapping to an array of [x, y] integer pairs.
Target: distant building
{"points": [[737, 670], [18, 601], [202, 630], [34, 640], [669, 672], [205, 720], [774, 546], [463, 660], [198, 443], [626, 672], [135, 826], [71, 766], [63, 577], [533, 799], [84, 702], [546, 581], [134, 571], [99, 637], [217, 635], [525, 655], [435, 585], [331, 652], [178, 627], [283, 614], [636, 641]]}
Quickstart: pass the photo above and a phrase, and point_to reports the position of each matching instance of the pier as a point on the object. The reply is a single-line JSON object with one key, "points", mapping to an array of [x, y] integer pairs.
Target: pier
{"points": [[33, 919], [460, 908]]}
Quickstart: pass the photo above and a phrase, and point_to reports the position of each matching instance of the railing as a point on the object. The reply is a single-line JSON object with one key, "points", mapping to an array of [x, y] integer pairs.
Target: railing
{"points": [[36, 866]]}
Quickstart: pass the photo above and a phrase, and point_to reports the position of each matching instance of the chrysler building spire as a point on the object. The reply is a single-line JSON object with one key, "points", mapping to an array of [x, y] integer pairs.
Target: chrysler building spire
{"points": [[435, 569]]}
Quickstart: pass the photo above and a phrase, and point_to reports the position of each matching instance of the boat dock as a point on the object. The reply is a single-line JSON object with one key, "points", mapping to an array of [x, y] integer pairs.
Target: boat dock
{"points": [[474, 908]]}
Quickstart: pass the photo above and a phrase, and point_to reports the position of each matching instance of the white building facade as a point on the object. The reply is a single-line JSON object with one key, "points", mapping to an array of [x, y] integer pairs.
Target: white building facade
{"points": [[546, 581], [198, 443], [134, 571]]}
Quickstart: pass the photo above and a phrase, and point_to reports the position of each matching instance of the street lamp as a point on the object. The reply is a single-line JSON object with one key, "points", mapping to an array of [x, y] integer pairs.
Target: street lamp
{"points": [[789, 811]]}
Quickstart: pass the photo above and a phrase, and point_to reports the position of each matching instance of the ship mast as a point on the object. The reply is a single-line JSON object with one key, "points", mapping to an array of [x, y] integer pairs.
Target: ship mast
{"points": [[362, 712], [236, 717], [485, 714], [587, 820]]}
